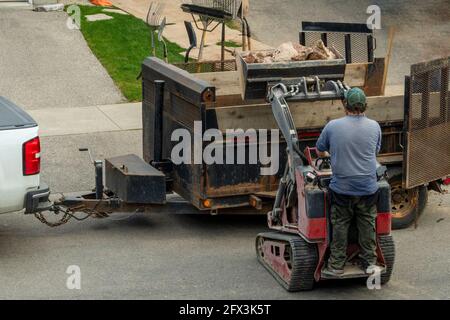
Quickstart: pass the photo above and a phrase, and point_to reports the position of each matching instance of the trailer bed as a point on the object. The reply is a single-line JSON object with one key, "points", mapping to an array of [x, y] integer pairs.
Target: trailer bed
{"points": [[215, 99]]}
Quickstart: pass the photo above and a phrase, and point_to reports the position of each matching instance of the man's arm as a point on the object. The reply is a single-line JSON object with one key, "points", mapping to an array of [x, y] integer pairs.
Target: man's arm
{"points": [[323, 144], [379, 139]]}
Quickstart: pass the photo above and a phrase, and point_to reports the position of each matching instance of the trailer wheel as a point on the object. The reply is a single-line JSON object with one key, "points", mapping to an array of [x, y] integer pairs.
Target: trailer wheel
{"points": [[404, 203], [387, 247]]}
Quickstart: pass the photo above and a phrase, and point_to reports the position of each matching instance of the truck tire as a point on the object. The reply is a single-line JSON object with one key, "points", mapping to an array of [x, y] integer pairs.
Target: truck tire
{"points": [[404, 203]]}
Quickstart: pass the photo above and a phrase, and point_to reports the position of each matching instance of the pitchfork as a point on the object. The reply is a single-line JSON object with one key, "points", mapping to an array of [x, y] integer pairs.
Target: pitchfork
{"points": [[154, 20]]}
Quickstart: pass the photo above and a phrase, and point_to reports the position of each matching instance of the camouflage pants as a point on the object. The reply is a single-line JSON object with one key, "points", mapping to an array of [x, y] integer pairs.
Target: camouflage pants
{"points": [[343, 210]]}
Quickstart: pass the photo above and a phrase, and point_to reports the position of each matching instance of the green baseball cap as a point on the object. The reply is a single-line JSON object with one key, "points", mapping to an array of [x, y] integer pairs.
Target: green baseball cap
{"points": [[355, 96]]}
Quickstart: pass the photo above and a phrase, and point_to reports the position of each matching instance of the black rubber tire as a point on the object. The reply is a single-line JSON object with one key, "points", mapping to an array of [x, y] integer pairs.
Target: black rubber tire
{"points": [[411, 216], [423, 198], [387, 247]]}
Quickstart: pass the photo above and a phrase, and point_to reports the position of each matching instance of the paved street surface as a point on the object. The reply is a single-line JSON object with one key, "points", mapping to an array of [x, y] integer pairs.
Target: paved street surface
{"points": [[157, 256], [154, 256], [43, 64], [422, 27]]}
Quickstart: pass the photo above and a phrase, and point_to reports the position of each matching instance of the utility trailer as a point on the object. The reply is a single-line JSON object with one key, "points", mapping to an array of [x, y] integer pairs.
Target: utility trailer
{"points": [[415, 126]]}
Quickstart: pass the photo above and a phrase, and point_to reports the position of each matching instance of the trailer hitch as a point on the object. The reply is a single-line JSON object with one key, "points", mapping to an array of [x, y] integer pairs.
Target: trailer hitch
{"points": [[69, 209], [68, 214], [71, 206]]}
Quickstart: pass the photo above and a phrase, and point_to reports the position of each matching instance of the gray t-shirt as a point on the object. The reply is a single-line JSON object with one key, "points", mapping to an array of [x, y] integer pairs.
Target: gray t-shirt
{"points": [[353, 143]]}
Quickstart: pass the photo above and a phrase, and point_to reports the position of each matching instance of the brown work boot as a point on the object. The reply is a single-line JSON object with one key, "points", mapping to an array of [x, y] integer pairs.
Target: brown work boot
{"points": [[328, 271]]}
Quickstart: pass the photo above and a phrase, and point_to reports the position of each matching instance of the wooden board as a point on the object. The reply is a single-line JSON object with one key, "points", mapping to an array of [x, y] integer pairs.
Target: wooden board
{"points": [[245, 7], [355, 74], [226, 82], [317, 114], [375, 82], [306, 115], [390, 158]]}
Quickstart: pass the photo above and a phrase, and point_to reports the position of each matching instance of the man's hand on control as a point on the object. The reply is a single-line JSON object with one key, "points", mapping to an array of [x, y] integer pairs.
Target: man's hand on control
{"points": [[323, 154]]}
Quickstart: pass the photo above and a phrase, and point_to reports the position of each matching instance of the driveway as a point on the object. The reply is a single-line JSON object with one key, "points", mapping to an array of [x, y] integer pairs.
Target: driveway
{"points": [[43, 64], [422, 27]]}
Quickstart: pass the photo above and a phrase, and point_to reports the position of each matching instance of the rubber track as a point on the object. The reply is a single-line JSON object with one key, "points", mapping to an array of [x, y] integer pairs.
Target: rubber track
{"points": [[388, 249], [304, 261]]}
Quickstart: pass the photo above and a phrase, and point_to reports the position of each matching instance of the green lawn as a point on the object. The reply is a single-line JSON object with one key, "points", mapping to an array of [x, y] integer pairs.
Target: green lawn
{"points": [[229, 44], [121, 44]]}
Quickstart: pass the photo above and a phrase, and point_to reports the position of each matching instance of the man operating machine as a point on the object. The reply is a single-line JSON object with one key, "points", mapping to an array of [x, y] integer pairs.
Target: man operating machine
{"points": [[331, 215], [353, 142]]}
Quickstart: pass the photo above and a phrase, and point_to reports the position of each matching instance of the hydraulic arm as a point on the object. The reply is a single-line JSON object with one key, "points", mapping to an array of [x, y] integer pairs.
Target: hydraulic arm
{"points": [[304, 89]]}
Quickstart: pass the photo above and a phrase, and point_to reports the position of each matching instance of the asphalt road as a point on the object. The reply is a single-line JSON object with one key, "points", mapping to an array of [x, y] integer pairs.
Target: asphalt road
{"points": [[156, 256], [160, 256], [44, 64], [422, 27]]}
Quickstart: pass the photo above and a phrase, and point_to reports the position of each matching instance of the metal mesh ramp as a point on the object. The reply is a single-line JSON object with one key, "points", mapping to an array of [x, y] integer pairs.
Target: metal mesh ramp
{"points": [[427, 122], [354, 41]]}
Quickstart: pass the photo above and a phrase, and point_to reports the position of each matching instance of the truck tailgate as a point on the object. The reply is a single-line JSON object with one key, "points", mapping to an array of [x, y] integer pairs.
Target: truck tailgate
{"points": [[16, 128]]}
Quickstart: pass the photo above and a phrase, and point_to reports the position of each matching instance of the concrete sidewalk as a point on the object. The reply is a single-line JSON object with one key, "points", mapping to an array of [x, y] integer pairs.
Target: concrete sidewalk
{"points": [[107, 130], [83, 120]]}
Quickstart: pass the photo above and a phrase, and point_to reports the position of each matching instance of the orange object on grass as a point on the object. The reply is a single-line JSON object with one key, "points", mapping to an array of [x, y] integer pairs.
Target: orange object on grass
{"points": [[103, 3]]}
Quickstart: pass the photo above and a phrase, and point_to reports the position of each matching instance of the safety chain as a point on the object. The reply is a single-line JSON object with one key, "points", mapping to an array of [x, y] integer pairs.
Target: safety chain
{"points": [[69, 213], [62, 221]]}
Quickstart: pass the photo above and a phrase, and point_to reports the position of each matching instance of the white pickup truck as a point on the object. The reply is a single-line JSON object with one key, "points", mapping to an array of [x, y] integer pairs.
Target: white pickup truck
{"points": [[20, 186]]}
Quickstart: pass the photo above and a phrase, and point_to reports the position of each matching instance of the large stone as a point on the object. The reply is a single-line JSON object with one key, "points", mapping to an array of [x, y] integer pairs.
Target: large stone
{"points": [[98, 17]]}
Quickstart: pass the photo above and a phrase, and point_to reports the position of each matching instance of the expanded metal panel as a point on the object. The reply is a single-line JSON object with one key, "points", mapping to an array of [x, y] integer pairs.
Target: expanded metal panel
{"points": [[337, 40], [427, 155], [359, 47], [353, 41], [311, 38]]}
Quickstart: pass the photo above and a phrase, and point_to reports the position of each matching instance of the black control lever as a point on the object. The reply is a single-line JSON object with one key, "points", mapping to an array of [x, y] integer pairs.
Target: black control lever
{"points": [[98, 165]]}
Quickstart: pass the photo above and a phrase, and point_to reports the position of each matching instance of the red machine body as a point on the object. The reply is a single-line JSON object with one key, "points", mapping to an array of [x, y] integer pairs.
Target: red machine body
{"points": [[304, 231]]}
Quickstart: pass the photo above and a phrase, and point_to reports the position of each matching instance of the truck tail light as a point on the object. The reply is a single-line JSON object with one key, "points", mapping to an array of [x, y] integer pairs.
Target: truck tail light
{"points": [[32, 157]]}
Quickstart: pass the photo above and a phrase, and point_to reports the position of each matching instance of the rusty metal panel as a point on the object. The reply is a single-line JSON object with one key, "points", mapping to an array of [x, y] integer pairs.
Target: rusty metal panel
{"points": [[427, 120]]}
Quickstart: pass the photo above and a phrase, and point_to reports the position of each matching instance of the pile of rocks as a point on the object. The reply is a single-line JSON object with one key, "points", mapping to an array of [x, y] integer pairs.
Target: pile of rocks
{"points": [[293, 52]]}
